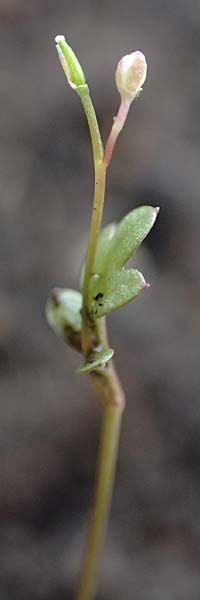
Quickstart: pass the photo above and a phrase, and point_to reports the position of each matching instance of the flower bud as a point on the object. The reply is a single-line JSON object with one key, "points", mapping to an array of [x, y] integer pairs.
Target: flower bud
{"points": [[70, 63], [131, 74]]}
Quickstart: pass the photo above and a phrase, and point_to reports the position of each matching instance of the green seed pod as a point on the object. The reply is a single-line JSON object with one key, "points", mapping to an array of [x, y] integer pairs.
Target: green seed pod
{"points": [[70, 63]]}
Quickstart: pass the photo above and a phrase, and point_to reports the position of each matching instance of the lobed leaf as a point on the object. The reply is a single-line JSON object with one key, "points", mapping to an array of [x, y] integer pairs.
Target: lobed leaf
{"points": [[129, 234], [113, 290]]}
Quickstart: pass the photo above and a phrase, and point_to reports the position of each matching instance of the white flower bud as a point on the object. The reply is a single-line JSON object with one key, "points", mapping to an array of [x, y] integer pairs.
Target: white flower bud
{"points": [[131, 74]]}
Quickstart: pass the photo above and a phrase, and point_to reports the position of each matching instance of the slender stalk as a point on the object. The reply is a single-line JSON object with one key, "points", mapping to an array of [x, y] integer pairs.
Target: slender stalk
{"points": [[83, 92], [99, 185], [104, 487], [118, 124], [99, 193], [105, 381]]}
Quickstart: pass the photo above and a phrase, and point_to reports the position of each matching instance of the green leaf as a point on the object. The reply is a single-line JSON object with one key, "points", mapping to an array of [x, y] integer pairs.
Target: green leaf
{"points": [[129, 234], [98, 359], [111, 285], [63, 312], [103, 246], [113, 290]]}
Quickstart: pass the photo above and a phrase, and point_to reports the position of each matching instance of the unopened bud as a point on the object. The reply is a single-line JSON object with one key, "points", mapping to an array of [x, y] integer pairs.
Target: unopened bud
{"points": [[70, 63], [131, 74]]}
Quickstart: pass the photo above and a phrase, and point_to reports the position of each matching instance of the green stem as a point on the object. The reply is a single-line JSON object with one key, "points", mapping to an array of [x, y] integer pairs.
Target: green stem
{"points": [[104, 487], [83, 92], [97, 211], [99, 185], [106, 382]]}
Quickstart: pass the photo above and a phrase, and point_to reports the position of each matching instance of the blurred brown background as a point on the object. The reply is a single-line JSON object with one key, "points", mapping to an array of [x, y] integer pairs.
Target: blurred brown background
{"points": [[49, 418]]}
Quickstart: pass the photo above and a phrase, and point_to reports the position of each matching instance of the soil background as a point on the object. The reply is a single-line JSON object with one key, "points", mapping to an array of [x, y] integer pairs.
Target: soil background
{"points": [[49, 418]]}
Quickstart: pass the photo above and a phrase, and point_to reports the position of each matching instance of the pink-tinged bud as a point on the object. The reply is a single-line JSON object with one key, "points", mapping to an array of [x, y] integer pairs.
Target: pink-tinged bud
{"points": [[131, 74]]}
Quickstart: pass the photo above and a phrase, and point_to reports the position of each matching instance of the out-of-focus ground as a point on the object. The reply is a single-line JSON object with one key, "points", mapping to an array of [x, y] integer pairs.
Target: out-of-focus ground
{"points": [[49, 418]]}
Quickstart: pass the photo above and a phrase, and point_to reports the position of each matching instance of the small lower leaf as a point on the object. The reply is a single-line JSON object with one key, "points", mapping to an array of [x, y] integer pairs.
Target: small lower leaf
{"points": [[114, 290], [98, 359]]}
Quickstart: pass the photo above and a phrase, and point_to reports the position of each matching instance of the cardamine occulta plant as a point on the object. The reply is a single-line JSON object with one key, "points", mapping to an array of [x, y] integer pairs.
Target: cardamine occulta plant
{"points": [[79, 316]]}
